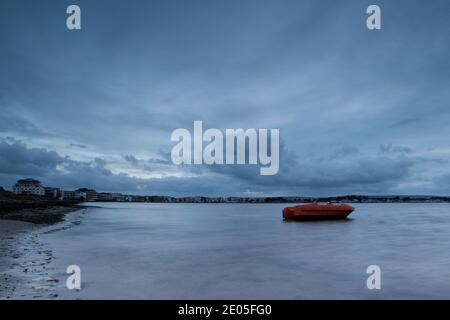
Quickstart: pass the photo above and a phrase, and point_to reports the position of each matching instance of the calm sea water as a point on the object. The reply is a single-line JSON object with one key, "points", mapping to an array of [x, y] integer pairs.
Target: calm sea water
{"points": [[246, 251]]}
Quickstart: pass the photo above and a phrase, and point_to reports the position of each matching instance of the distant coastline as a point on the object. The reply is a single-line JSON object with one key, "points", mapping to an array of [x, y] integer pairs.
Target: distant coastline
{"points": [[49, 205], [281, 199], [90, 195], [32, 189]]}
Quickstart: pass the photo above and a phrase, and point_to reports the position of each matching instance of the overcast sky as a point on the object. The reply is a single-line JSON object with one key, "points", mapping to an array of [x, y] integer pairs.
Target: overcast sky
{"points": [[359, 111]]}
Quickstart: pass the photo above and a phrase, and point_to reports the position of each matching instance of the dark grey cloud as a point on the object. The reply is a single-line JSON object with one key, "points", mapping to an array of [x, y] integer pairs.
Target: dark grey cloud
{"points": [[78, 145], [131, 159], [322, 175], [389, 148], [150, 164], [344, 151], [404, 122], [335, 170], [17, 159]]}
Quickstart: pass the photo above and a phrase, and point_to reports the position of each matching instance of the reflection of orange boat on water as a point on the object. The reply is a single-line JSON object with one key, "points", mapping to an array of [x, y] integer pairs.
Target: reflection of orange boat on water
{"points": [[316, 211]]}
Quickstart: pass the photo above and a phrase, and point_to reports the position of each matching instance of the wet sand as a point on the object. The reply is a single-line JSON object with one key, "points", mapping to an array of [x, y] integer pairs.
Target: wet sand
{"points": [[11, 233], [25, 271]]}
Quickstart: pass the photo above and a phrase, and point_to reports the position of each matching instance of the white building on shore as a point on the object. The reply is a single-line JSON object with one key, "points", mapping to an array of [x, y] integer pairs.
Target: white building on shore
{"points": [[29, 187]]}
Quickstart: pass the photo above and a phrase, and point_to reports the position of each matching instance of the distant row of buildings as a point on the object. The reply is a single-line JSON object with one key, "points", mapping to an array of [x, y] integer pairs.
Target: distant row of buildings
{"points": [[35, 188]]}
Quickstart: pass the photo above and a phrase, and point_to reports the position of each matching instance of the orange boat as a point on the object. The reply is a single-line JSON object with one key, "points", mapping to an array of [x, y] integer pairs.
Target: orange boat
{"points": [[316, 211]]}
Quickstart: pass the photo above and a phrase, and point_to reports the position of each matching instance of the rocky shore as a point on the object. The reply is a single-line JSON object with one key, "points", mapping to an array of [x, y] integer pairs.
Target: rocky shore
{"points": [[36, 211]]}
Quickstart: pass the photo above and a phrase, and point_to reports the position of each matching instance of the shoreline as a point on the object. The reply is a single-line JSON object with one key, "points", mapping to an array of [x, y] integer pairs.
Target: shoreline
{"points": [[25, 261], [21, 254]]}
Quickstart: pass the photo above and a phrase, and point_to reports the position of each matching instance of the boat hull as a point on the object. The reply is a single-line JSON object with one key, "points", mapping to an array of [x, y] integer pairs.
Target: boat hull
{"points": [[318, 212]]}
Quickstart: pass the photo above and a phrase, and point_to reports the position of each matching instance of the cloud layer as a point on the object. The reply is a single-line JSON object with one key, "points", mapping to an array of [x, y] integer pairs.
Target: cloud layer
{"points": [[345, 168]]}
